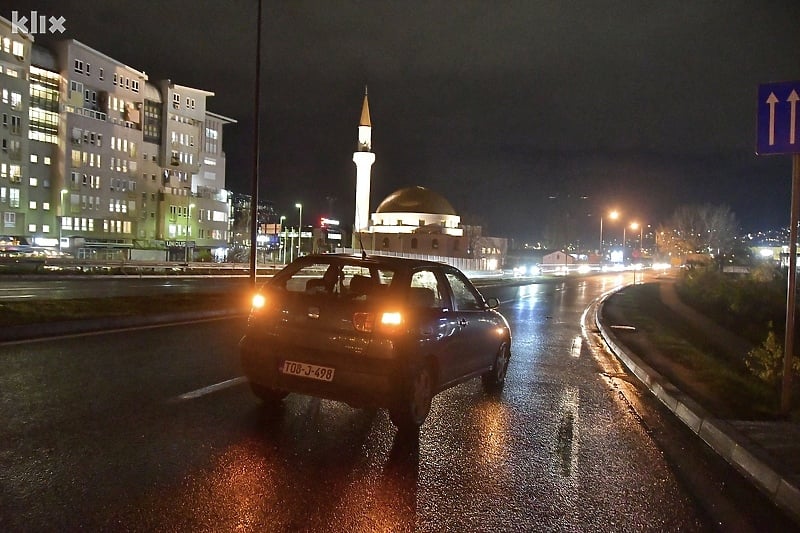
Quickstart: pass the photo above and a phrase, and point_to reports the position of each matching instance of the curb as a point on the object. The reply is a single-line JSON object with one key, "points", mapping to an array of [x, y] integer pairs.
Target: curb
{"points": [[745, 456], [29, 332]]}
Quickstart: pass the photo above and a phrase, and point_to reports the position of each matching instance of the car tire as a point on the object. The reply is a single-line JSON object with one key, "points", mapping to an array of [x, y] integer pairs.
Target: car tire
{"points": [[494, 379], [267, 395], [415, 403]]}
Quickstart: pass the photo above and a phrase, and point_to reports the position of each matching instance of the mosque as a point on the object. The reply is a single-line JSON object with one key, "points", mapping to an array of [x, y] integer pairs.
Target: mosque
{"points": [[414, 220]]}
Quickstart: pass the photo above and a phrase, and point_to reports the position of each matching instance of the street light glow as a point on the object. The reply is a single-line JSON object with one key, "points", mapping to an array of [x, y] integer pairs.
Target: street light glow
{"points": [[299, 227]]}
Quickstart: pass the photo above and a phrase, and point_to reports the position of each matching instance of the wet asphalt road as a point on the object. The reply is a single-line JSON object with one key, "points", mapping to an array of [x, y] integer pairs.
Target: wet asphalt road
{"points": [[154, 430]]}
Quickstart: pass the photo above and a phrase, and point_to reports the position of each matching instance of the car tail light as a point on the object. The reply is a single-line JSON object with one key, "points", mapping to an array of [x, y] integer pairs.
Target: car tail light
{"points": [[258, 302], [389, 321], [262, 304]]}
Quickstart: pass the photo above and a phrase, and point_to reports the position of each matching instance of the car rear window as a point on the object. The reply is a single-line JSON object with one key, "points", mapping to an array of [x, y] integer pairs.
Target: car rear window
{"points": [[337, 280]]}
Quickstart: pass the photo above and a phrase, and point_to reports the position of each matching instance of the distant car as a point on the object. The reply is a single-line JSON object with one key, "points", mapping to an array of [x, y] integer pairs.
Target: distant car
{"points": [[379, 331]]}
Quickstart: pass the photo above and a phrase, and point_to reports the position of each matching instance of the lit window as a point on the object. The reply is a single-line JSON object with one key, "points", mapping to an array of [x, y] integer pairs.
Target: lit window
{"points": [[32, 204], [31, 228], [34, 182], [18, 49], [34, 158]]}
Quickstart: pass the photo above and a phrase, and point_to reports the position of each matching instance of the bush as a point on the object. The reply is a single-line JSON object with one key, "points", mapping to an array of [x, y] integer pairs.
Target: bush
{"points": [[746, 305], [766, 361]]}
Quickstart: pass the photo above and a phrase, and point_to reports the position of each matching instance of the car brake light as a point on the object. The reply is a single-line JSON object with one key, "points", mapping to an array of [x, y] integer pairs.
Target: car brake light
{"points": [[365, 322], [258, 301], [391, 319]]}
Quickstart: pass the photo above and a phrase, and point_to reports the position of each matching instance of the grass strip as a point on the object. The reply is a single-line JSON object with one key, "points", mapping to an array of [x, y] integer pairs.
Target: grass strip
{"points": [[696, 367], [57, 310]]}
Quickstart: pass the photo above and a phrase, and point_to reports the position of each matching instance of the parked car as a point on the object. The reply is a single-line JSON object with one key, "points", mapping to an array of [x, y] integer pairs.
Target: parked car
{"points": [[372, 331]]}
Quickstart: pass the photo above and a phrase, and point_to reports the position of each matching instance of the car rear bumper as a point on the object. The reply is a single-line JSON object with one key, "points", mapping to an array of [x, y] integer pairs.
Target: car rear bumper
{"points": [[360, 379]]}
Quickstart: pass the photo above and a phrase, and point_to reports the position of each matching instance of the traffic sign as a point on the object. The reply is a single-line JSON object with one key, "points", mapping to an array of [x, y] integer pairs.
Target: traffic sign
{"points": [[777, 128]]}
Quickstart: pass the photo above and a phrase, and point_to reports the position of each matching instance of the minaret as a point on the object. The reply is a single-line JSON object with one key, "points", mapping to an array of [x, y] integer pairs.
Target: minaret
{"points": [[363, 158]]}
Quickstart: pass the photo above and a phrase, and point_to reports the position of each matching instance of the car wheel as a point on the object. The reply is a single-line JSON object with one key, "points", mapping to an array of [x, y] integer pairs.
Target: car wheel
{"points": [[494, 379], [267, 395], [414, 406]]}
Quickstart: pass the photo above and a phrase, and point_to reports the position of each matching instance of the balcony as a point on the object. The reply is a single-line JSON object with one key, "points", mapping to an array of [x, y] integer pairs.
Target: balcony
{"points": [[91, 113]]}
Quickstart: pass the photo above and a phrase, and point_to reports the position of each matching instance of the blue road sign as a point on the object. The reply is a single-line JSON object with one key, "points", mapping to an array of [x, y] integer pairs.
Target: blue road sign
{"points": [[777, 126]]}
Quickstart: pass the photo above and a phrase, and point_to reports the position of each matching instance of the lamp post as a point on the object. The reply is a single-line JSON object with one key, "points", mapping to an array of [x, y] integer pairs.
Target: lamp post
{"points": [[61, 218], [186, 237], [623, 244], [282, 242], [640, 227], [634, 227], [613, 215], [299, 228]]}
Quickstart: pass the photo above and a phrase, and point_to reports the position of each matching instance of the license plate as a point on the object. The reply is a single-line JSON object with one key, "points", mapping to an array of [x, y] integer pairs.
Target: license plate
{"points": [[306, 370]]}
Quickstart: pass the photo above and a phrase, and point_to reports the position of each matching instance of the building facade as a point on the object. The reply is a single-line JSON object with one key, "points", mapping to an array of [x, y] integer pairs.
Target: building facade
{"points": [[414, 221], [100, 162], [15, 62]]}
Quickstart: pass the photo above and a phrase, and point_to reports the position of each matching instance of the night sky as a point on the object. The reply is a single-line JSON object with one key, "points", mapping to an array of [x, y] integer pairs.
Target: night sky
{"points": [[513, 110]]}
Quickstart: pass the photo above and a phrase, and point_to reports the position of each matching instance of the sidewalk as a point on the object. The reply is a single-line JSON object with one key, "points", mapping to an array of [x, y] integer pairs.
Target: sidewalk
{"points": [[766, 453]]}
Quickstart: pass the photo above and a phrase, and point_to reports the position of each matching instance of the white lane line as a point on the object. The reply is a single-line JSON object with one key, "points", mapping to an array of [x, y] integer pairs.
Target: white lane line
{"points": [[212, 388], [577, 342]]}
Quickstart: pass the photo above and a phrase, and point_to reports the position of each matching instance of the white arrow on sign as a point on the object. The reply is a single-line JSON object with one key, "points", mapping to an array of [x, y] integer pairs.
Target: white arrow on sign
{"points": [[793, 98], [771, 101]]}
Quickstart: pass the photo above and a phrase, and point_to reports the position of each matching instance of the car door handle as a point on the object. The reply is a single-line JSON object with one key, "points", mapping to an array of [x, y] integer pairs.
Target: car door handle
{"points": [[462, 322]]}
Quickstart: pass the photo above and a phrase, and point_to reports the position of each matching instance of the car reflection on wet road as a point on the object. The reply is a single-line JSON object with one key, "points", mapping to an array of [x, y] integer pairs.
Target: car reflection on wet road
{"points": [[154, 430]]}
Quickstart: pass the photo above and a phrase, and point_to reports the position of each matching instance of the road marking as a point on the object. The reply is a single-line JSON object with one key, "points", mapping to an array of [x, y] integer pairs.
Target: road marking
{"points": [[212, 388], [577, 343]]}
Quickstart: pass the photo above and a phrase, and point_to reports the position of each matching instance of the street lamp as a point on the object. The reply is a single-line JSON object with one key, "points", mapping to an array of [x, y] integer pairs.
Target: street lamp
{"points": [[186, 237], [613, 215], [640, 227], [282, 243], [299, 228], [61, 218], [623, 244]]}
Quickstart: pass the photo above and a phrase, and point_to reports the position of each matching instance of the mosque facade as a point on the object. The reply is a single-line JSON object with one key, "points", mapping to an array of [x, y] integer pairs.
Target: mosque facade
{"points": [[413, 220]]}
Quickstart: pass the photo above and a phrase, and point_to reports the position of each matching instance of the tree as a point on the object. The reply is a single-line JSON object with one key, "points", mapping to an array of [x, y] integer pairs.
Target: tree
{"points": [[703, 229]]}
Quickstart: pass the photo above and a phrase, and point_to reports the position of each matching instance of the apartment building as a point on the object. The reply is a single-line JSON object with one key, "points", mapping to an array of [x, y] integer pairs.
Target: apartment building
{"points": [[15, 61], [100, 162]]}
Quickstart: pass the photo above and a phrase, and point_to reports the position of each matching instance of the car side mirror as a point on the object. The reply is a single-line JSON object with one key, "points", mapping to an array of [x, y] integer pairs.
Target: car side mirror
{"points": [[493, 303]]}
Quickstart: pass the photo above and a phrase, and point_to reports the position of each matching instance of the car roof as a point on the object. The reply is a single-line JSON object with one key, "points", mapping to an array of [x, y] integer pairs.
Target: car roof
{"points": [[375, 260]]}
